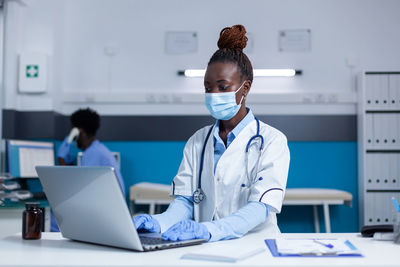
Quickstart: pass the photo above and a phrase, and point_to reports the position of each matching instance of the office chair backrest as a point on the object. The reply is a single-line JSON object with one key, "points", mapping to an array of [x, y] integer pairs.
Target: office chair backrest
{"points": [[117, 156]]}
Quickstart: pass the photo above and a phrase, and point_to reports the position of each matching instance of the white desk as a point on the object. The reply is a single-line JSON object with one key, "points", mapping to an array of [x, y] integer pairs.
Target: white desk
{"points": [[52, 250], [158, 194]]}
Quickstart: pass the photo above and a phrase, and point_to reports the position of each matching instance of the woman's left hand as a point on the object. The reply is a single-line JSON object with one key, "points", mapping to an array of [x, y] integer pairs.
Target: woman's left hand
{"points": [[186, 230]]}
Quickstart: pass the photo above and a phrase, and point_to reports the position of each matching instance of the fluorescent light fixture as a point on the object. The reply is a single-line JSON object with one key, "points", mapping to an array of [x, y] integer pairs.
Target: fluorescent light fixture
{"points": [[256, 72], [274, 72], [194, 73]]}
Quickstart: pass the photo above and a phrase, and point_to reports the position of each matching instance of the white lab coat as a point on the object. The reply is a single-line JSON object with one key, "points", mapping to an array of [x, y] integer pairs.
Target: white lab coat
{"points": [[223, 191]]}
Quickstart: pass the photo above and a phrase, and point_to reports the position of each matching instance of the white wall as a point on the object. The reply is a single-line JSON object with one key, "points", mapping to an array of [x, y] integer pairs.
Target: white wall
{"points": [[141, 78]]}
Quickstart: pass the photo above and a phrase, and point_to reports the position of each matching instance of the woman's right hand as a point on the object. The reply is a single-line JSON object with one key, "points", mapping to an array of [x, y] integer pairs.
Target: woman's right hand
{"points": [[64, 152], [147, 222]]}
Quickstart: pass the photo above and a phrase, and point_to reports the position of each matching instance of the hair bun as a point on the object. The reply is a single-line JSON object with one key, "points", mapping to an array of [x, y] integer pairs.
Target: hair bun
{"points": [[233, 37]]}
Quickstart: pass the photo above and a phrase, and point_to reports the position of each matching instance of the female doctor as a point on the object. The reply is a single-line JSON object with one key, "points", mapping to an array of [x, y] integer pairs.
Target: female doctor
{"points": [[233, 174]]}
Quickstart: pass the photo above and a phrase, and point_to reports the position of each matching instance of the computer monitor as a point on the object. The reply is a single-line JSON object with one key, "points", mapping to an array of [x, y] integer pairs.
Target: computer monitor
{"points": [[24, 156]]}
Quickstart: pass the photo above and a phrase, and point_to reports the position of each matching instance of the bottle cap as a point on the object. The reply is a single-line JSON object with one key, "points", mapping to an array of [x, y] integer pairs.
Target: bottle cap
{"points": [[32, 205]]}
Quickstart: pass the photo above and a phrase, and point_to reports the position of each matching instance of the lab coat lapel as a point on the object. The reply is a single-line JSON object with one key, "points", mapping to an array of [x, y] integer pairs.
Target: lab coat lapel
{"points": [[207, 206], [230, 174]]}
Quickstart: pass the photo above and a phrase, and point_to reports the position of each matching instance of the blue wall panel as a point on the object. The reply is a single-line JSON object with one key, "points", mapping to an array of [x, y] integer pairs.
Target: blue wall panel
{"points": [[313, 164], [325, 165]]}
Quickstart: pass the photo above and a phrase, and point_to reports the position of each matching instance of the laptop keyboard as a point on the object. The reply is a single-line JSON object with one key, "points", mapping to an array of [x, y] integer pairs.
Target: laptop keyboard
{"points": [[154, 241]]}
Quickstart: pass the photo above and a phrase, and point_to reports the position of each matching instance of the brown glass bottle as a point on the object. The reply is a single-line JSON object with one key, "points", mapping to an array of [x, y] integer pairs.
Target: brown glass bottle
{"points": [[32, 221]]}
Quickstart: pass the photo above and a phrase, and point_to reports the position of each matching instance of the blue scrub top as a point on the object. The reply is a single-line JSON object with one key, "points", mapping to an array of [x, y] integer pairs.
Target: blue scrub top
{"points": [[219, 146], [96, 154]]}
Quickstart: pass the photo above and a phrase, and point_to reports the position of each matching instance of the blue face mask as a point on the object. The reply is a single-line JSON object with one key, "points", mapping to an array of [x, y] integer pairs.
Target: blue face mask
{"points": [[222, 106]]}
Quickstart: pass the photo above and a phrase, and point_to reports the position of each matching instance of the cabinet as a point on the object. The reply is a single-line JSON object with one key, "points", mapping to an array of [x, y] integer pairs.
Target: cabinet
{"points": [[378, 121]]}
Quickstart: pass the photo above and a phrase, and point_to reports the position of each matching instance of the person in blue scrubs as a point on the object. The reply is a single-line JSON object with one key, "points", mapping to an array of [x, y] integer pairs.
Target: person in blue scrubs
{"points": [[94, 152]]}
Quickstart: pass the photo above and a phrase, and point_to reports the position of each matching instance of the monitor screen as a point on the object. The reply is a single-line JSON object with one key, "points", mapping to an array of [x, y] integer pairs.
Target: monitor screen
{"points": [[23, 156]]}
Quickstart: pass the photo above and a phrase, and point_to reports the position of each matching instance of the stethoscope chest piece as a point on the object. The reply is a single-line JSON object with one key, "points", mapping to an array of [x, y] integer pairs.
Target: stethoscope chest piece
{"points": [[198, 196]]}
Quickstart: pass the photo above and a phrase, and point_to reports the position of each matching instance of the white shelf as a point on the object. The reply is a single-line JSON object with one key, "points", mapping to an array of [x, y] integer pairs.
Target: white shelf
{"points": [[198, 97]]}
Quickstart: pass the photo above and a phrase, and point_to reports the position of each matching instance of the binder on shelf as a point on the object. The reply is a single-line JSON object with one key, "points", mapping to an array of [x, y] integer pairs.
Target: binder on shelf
{"points": [[369, 130], [377, 208], [385, 130], [368, 211], [393, 129], [368, 175], [386, 136], [375, 83], [387, 208], [398, 129], [394, 85], [377, 124], [394, 91], [375, 165], [396, 181], [384, 171], [369, 92], [383, 91], [393, 170]]}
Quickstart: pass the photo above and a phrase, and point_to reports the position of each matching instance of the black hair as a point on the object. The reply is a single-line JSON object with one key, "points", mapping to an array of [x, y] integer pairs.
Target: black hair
{"points": [[87, 119]]}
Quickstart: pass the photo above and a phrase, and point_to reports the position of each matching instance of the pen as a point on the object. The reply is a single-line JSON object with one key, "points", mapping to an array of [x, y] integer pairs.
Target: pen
{"points": [[396, 204], [321, 243]]}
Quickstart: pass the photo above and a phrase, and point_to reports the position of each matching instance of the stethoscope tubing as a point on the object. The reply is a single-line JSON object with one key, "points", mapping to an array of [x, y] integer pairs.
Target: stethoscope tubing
{"points": [[198, 195]]}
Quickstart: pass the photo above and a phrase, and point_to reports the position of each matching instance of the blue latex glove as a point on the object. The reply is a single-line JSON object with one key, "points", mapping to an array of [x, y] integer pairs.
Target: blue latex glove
{"points": [[147, 222], [64, 151], [186, 230]]}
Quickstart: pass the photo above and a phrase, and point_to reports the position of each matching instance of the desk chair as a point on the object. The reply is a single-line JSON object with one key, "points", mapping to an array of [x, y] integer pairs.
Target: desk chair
{"points": [[117, 156]]}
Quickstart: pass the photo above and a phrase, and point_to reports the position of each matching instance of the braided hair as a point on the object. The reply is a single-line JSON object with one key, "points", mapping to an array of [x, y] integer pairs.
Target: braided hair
{"points": [[232, 41]]}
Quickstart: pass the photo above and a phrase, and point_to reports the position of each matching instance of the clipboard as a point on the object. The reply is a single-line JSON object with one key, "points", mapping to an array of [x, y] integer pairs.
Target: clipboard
{"points": [[271, 244]]}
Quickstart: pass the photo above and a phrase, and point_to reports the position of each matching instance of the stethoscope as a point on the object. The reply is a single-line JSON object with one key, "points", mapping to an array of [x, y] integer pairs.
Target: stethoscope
{"points": [[198, 194]]}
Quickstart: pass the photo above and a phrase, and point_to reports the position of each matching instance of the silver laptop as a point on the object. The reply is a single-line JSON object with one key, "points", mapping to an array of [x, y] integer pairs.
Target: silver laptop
{"points": [[88, 205]]}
